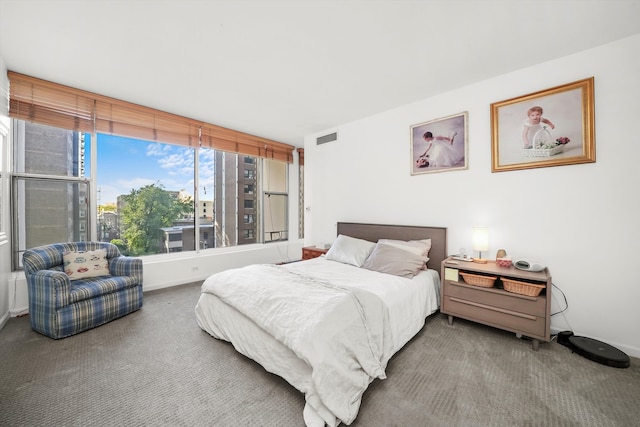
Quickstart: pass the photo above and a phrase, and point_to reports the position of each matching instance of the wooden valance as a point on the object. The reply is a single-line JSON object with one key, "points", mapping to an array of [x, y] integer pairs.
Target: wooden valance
{"points": [[41, 101]]}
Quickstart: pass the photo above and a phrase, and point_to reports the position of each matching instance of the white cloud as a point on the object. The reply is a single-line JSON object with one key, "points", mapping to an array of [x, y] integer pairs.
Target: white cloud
{"points": [[178, 164]]}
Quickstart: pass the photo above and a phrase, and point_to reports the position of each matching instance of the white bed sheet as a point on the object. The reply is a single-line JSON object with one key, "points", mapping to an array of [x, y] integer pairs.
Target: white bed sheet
{"points": [[409, 301]]}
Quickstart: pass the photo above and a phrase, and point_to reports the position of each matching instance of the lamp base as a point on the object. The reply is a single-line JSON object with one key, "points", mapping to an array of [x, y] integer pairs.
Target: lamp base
{"points": [[480, 260]]}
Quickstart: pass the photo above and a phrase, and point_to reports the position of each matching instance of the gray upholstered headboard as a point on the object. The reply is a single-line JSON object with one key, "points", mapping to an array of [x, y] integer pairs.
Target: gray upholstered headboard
{"points": [[373, 232]]}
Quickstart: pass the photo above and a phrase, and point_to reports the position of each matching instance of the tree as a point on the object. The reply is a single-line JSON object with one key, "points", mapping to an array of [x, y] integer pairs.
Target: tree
{"points": [[147, 210], [107, 207], [121, 245]]}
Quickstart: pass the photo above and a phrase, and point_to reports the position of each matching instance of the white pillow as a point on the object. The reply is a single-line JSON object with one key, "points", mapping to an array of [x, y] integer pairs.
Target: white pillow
{"points": [[419, 247], [349, 250], [80, 265]]}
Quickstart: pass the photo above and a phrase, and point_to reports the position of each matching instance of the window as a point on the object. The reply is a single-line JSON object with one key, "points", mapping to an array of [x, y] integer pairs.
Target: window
{"points": [[300, 192], [145, 201], [275, 201], [201, 177], [3, 177], [50, 187]]}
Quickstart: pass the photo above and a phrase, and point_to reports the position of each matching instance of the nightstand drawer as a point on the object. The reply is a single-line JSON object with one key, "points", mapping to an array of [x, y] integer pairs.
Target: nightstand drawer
{"points": [[534, 306], [491, 314]]}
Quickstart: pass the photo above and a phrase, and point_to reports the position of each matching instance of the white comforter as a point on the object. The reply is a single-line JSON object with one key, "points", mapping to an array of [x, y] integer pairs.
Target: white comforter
{"points": [[344, 333]]}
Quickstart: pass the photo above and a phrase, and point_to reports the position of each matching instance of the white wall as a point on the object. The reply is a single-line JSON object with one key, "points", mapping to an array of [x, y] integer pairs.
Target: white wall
{"points": [[579, 220]]}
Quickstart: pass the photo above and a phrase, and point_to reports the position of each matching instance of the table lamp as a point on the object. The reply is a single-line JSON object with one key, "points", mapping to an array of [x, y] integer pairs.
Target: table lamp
{"points": [[480, 243]]}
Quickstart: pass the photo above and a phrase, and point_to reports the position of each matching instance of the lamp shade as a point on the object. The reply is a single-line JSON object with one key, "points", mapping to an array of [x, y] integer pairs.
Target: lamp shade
{"points": [[480, 239]]}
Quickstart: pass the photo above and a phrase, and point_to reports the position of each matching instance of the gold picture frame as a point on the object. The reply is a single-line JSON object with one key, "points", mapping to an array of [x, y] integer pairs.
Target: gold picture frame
{"points": [[552, 127], [440, 145]]}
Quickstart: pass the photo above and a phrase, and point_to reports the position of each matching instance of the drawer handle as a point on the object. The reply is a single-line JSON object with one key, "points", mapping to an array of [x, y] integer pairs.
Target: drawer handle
{"points": [[488, 307]]}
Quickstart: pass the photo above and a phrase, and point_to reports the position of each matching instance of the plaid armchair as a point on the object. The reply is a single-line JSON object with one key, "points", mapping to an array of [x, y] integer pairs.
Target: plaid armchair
{"points": [[60, 307]]}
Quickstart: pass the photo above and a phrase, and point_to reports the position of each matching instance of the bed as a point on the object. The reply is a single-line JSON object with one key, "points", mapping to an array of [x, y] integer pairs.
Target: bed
{"points": [[330, 325]]}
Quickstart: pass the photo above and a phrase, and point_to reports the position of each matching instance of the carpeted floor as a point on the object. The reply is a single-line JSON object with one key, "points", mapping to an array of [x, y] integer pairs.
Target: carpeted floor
{"points": [[156, 367]]}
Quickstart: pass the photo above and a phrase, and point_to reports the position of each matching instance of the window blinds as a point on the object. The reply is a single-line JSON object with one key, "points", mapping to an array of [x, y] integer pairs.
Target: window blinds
{"points": [[52, 104]]}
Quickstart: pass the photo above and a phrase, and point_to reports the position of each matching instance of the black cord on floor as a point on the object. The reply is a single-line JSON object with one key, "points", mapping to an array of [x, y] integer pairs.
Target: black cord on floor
{"points": [[566, 304]]}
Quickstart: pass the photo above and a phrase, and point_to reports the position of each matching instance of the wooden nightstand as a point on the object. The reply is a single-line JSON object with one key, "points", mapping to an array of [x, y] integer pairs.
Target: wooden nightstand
{"points": [[309, 252], [494, 306]]}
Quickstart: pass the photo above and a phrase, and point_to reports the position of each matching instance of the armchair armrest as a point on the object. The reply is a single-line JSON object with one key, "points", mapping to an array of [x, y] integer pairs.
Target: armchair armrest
{"points": [[126, 266], [49, 288]]}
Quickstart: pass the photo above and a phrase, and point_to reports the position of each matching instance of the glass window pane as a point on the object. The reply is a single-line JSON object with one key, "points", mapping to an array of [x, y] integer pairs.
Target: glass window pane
{"points": [[206, 194], [145, 195], [275, 217], [274, 176], [46, 150], [227, 181], [275, 200], [49, 211]]}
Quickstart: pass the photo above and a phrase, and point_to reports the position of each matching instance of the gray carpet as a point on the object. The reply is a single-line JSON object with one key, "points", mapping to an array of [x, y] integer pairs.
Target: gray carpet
{"points": [[156, 367]]}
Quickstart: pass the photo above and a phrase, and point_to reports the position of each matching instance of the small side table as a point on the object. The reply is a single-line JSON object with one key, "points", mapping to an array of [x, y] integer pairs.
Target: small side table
{"points": [[309, 252], [494, 306]]}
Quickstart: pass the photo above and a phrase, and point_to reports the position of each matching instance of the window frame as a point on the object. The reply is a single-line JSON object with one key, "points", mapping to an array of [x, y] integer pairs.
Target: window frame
{"points": [[14, 193], [52, 102], [5, 201]]}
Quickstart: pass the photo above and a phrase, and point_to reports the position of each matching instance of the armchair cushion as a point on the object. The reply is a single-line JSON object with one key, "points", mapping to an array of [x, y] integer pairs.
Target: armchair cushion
{"points": [[92, 287], [79, 265]]}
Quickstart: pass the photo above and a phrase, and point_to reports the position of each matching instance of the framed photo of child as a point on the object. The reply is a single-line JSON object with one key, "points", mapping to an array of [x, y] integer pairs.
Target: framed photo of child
{"points": [[440, 145], [552, 127]]}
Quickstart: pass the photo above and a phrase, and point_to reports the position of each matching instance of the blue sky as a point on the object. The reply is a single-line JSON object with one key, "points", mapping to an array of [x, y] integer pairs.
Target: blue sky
{"points": [[125, 164]]}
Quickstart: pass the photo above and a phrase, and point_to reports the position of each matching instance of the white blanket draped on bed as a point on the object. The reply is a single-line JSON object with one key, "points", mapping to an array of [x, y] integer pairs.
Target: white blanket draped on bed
{"points": [[342, 333]]}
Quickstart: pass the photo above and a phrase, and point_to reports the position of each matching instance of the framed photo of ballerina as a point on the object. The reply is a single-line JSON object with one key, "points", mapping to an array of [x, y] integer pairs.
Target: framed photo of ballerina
{"points": [[552, 127], [440, 145]]}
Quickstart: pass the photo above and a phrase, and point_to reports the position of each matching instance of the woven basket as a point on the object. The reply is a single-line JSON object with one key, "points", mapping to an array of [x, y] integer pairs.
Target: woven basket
{"points": [[542, 152], [476, 280], [522, 288]]}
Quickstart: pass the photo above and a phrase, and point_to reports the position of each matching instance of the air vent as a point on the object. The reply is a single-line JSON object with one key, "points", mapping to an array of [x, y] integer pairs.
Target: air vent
{"points": [[327, 138]]}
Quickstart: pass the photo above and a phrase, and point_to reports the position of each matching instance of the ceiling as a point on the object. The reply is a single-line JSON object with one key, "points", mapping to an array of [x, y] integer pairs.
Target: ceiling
{"points": [[286, 69]]}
